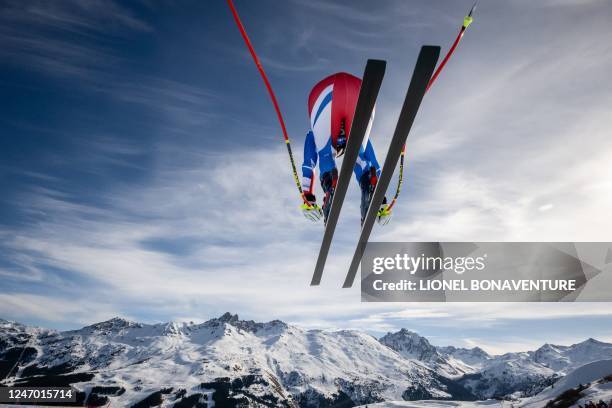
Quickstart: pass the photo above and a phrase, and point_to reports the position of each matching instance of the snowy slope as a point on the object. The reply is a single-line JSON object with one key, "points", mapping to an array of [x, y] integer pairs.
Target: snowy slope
{"points": [[598, 391], [440, 404], [587, 374], [519, 376], [474, 358]]}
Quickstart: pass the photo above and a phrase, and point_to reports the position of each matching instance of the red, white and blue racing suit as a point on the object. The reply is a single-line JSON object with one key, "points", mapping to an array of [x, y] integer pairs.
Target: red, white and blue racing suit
{"points": [[331, 106]]}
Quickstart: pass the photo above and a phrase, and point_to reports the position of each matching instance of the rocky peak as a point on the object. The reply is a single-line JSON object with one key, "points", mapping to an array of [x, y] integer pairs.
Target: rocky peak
{"points": [[455, 351], [477, 351], [114, 324], [410, 344], [227, 317], [546, 350], [592, 341], [245, 325]]}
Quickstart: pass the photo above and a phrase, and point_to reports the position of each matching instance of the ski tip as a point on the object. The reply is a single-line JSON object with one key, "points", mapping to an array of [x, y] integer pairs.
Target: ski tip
{"points": [[473, 9], [430, 48], [375, 64], [430, 52]]}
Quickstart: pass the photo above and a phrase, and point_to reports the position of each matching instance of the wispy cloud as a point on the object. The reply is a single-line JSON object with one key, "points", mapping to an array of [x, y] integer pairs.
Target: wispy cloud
{"points": [[89, 16], [74, 41], [185, 240], [59, 37], [46, 308]]}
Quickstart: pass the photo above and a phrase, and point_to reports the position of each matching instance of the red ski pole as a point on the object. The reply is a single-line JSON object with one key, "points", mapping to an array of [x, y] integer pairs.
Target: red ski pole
{"points": [[271, 93], [466, 23]]}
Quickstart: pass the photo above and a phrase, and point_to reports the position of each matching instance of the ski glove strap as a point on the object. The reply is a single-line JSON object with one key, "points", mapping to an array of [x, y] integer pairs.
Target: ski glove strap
{"points": [[311, 209], [384, 215], [467, 21]]}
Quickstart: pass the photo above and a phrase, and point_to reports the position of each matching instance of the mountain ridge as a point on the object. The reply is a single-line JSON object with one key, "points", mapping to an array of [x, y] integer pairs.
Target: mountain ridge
{"points": [[233, 360]]}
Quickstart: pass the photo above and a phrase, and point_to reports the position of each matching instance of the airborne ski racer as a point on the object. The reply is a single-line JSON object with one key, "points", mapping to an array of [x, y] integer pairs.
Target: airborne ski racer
{"points": [[331, 106]]}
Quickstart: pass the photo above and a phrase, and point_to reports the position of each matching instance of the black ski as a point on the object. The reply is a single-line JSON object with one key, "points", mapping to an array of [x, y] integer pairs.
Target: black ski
{"points": [[370, 85], [423, 70]]}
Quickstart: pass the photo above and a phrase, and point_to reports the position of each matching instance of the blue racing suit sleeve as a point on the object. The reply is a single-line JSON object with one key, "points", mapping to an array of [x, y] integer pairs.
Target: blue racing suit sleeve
{"points": [[370, 157], [310, 162]]}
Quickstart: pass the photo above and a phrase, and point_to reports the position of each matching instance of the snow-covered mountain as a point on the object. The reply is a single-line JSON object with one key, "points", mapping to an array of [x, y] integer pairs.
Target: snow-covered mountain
{"points": [[235, 362], [501, 376], [229, 360], [566, 358], [485, 376], [440, 404], [527, 373], [410, 345], [475, 358], [590, 382]]}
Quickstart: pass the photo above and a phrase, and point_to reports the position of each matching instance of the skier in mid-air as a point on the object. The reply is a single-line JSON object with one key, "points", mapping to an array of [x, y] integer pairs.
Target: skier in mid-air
{"points": [[331, 106]]}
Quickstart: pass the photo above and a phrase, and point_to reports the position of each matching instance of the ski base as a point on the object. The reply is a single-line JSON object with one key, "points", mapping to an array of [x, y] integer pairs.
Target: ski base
{"points": [[426, 63], [370, 85]]}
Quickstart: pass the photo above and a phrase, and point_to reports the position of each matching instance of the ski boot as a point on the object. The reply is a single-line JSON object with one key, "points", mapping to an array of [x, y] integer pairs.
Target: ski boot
{"points": [[368, 185], [328, 182]]}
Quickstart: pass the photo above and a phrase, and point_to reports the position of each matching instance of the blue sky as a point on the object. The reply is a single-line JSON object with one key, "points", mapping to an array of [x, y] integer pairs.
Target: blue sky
{"points": [[143, 173]]}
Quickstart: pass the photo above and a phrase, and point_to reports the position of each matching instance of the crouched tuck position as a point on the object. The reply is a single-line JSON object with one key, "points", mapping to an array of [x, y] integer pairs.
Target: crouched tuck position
{"points": [[331, 106]]}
